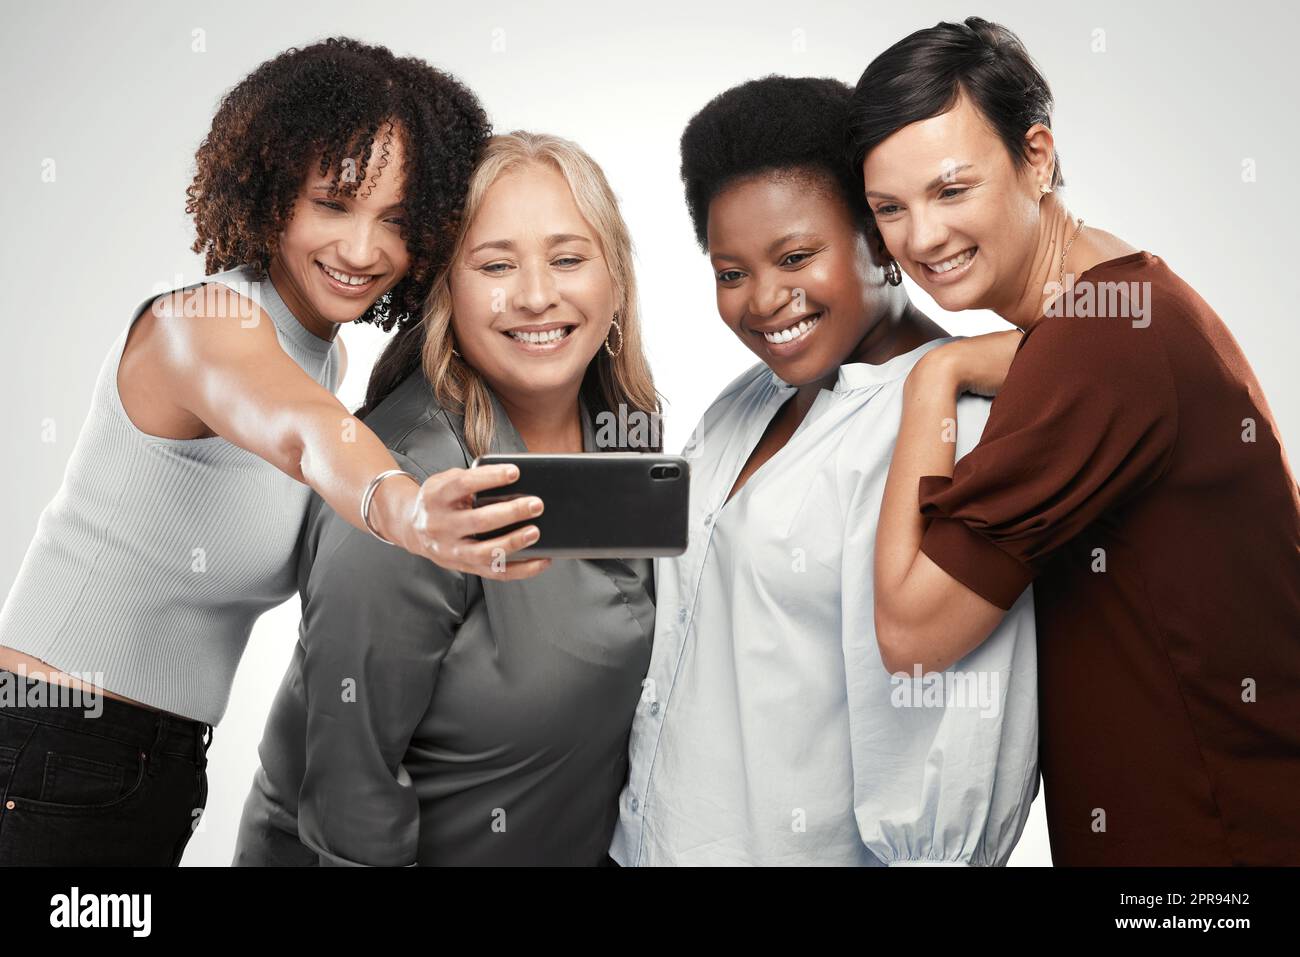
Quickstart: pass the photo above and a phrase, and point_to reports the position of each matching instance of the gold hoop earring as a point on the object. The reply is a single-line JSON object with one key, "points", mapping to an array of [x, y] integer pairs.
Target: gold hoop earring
{"points": [[1044, 189], [894, 273], [619, 330]]}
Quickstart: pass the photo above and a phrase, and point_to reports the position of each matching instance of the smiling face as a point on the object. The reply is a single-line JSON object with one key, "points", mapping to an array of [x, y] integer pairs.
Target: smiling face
{"points": [[338, 254], [954, 210], [795, 278], [532, 297]]}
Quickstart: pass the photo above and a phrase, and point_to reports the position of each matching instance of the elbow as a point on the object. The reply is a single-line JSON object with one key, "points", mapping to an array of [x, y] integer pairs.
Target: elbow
{"points": [[894, 664], [900, 661], [317, 440], [291, 456], [898, 651], [303, 440]]}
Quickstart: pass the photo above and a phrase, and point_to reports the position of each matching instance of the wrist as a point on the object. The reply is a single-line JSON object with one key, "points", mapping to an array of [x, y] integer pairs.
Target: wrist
{"points": [[936, 371], [392, 507]]}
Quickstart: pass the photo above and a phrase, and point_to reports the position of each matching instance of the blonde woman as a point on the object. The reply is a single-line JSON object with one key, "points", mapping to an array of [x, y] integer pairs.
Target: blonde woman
{"points": [[437, 717]]}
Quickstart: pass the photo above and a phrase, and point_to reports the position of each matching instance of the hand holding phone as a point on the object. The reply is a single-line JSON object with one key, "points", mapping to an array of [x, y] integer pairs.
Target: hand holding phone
{"points": [[457, 535]]}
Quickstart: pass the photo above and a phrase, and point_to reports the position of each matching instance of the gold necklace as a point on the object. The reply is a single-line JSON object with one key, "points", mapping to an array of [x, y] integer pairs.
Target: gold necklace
{"points": [[1060, 279]]}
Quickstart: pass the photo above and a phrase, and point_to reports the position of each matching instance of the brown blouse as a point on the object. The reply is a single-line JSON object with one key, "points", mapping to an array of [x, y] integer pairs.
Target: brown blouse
{"points": [[1131, 469]]}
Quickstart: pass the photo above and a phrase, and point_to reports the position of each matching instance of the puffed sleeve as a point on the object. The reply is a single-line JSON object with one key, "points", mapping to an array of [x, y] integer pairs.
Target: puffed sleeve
{"points": [[377, 622], [1087, 418], [945, 766]]}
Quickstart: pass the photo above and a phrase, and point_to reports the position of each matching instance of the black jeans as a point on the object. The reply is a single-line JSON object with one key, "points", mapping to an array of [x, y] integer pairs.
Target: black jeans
{"points": [[125, 786]]}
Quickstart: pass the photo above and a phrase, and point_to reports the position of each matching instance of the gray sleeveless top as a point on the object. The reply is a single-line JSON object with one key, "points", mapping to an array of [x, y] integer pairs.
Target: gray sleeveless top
{"points": [[156, 555]]}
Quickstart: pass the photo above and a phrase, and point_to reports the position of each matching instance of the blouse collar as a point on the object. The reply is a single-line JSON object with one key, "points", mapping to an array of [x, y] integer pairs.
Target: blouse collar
{"points": [[860, 375]]}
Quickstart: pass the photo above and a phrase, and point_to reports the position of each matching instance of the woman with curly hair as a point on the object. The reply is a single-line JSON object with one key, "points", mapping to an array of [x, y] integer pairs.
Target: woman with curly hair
{"points": [[329, 190]]}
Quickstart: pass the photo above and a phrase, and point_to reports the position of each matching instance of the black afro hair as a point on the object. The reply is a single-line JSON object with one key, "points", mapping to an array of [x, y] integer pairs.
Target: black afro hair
{"points": [[773, 125]]}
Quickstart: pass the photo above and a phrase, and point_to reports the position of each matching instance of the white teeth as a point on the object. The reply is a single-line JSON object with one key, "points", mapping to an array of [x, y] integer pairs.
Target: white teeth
{"points": [[540, 338], [344, 277], [959, 260], [800, 328]]}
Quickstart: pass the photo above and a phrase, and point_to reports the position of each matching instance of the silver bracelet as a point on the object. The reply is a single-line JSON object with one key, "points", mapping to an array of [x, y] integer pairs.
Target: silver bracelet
{"points": [[369, 497]]}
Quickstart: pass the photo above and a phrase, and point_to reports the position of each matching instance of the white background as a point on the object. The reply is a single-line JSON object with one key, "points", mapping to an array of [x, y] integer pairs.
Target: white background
{"points": [[1153, 130]]}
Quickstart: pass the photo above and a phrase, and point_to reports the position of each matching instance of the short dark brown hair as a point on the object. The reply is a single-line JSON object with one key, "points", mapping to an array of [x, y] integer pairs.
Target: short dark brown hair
{"points": [[923, 74], [331, 100]]}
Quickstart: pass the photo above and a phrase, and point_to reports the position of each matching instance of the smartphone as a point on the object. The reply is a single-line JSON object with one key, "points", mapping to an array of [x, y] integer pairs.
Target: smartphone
{"points": [[597, 504]]}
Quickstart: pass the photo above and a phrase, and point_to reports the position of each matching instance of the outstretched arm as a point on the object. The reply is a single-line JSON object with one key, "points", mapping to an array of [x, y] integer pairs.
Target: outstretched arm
{"points": [[233, 376]]}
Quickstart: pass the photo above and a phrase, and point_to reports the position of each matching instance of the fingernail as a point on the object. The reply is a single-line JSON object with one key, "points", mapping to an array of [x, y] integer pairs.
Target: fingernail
{"points": [[512, 471], [535, 506], [532, 535]]}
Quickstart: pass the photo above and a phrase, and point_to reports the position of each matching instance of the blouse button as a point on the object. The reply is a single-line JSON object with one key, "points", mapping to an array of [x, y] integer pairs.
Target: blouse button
{"points": [[681, 615], [654, 707], [634, 804]]}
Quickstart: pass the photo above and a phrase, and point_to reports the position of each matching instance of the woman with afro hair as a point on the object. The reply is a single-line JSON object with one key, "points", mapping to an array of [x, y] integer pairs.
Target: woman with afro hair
{"points": [[769, 733], [329, 190]]}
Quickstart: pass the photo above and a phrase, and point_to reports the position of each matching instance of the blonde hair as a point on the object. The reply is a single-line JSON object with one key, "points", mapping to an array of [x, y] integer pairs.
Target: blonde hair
{"points": [[610, 382]]}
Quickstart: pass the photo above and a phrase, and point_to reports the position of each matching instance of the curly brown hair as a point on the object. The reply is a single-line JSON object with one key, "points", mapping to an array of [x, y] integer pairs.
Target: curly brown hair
{"points": [[330, 100]]}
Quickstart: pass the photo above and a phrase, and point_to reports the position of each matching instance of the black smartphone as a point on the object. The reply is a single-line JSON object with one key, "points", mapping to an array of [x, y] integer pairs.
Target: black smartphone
{"points": [[597, 504]]}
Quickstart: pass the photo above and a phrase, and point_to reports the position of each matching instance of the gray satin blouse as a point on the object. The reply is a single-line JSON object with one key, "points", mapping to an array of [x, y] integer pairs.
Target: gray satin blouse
{"points": [[433, 717]]}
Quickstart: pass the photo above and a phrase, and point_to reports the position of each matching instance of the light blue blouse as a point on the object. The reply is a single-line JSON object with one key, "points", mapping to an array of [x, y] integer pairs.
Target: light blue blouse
{"points": [[768, 731]]}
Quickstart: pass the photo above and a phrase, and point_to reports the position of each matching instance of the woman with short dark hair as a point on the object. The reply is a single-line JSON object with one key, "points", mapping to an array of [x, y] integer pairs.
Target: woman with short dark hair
{"points": [[1130, 468]]}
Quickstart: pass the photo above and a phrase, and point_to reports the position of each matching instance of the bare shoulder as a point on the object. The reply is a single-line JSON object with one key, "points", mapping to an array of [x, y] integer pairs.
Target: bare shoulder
{"points": [[174, 334], [188, 324], [178, 334]]}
